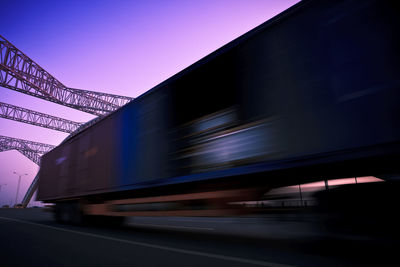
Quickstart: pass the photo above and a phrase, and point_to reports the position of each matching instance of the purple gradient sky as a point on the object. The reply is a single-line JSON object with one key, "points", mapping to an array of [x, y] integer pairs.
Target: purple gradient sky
{"points": [[119, 47]]}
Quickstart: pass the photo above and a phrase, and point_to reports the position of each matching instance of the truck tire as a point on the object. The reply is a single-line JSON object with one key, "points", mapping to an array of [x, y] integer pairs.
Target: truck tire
{"points": [[68, 213]]}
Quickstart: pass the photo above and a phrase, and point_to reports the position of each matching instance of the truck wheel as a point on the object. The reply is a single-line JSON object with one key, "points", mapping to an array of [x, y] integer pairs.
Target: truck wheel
{"points": [[115, 221], [69, 213], [105, 221], [66, 214], [76, 215]]}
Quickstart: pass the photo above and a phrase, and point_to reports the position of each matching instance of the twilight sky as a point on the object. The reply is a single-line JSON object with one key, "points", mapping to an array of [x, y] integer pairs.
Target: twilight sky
{"points": [[119, 47]]}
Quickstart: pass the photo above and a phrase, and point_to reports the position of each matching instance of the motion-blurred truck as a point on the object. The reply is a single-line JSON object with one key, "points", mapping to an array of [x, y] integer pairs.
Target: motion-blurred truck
{"points": [[311, 94]]}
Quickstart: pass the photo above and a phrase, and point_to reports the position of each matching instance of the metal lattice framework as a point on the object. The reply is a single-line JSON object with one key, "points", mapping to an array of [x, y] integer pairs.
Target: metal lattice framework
{"points": [[23, 146], [35, 157], [20, 73], [24, 115]]}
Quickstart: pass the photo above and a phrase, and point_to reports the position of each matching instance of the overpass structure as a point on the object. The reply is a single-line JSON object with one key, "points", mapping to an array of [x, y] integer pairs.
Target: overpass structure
{"points": [[20, 73]]}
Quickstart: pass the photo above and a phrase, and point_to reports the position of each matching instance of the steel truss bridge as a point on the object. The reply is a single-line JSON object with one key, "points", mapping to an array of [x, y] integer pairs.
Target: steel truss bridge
{"points": [[20, 73]]}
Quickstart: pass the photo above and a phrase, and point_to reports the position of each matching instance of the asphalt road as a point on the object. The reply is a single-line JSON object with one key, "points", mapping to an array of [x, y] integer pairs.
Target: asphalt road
{"points": [[30, 237]]}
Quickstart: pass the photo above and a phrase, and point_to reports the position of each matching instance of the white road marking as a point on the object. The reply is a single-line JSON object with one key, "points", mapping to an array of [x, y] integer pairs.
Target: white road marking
{"points": [[201, 220], [171, 226], [137, 243]]}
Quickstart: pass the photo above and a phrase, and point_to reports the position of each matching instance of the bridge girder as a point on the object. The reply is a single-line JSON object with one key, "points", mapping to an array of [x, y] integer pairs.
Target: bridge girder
{"points": [[10, 143], [24, 115], [20, 73]]}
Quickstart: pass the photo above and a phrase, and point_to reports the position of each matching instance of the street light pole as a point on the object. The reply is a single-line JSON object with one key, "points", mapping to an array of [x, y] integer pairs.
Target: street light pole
{"points": [[1, 186], [19, 182]]}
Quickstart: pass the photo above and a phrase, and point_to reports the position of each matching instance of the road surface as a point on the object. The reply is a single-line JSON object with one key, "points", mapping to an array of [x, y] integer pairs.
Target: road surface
{"points": [[30, 237]]}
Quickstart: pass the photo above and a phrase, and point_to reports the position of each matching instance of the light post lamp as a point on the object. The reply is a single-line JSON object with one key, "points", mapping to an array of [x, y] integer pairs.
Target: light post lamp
{"points": [[19, 181]]}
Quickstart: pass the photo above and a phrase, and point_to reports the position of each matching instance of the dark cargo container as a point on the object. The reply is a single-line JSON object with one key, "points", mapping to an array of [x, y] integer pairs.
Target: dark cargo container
{"points": [[317, 84]]}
